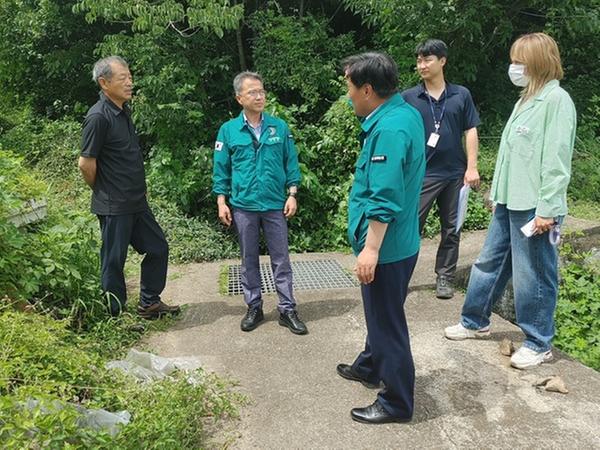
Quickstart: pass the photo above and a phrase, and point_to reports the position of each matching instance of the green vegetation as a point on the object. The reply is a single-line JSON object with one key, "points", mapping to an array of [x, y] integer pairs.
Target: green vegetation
{"points": [[183, 56], [578, 310], [61, 369]]}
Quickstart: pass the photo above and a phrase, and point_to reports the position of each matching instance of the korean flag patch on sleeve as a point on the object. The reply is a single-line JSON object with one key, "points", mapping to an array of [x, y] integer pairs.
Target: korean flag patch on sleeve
{"points": [[218, 146]]}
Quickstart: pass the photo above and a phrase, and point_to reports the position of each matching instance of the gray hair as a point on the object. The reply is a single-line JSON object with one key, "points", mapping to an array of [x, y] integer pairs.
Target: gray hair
{"points": [[240, 77], [102, 67]]}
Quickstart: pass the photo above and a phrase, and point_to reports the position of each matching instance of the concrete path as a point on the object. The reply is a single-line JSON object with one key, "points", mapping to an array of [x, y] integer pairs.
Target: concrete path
{"points": [[467, 396]]}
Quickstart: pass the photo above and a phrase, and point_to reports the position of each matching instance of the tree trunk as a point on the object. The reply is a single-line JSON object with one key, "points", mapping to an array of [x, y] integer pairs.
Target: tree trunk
{"points": [[240, 42]]}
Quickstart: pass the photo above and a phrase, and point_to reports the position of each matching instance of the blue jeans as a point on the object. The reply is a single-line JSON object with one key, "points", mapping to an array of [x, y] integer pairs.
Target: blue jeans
{"points": [[534, 278]]}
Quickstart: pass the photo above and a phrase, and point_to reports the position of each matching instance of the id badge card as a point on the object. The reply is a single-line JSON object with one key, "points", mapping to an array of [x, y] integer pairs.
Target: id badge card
{"points": [[433, 139]]}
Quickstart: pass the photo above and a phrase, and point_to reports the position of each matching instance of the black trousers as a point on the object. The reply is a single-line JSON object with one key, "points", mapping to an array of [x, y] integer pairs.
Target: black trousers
{"points": [[387, 356], [445, 193], [143, 233]]}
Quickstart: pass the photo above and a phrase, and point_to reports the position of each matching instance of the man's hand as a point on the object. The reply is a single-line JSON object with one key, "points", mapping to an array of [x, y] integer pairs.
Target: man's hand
{"points": [[224, 213], [365, 265], [290, 208], [542, 224], [472, 178]]}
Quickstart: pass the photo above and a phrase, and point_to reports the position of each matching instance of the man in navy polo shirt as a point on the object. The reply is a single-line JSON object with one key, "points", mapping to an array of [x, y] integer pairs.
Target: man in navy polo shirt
{"points": [[112, 164], [448, 113]]}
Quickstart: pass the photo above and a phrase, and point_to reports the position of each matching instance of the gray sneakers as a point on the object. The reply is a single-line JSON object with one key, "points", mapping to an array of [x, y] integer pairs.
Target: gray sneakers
{"points": [[443, 287], [459, 333]]}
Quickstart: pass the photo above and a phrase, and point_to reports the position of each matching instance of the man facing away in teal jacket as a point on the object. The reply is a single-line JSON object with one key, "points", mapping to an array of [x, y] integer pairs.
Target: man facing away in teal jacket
{"points": [[383, 229], [256, 170]]}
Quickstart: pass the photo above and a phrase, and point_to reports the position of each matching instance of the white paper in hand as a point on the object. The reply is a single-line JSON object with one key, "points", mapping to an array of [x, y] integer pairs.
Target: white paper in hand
{"points": [[528, 228], [461, 210]]}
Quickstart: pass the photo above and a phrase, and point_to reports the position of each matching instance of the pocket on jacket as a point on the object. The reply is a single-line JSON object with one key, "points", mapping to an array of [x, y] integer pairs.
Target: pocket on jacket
{"points": [[524, 142]]}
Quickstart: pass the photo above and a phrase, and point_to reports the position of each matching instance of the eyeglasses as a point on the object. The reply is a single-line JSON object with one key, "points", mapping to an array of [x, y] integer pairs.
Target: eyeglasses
{"points": [[257, 93]]}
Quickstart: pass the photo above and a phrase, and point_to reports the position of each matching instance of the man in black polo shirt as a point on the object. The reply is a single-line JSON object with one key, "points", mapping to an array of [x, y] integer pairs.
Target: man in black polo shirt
{"points": [[448, 113], [112, 165]]}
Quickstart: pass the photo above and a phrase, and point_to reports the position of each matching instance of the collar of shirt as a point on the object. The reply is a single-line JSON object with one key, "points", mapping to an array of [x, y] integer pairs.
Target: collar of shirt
{"points": [[256, 130], [548, 87], [373, 112], [394, 101], [448, 91], [114, 108]]}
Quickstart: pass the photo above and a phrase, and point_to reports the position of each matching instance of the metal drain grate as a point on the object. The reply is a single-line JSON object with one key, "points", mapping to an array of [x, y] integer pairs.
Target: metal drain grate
{"points": [[318, 274]]}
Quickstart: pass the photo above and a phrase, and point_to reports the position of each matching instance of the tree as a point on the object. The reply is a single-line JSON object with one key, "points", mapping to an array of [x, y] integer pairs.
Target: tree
{"points": [[479, 35]]}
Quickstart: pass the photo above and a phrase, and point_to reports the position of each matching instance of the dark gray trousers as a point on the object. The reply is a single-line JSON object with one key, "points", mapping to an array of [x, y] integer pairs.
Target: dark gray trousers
{"points": [[387, 356], [445, 193], [274, 226], [143, 233]]}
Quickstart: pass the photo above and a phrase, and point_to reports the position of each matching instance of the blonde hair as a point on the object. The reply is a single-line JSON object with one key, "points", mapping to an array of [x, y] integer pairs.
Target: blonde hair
{"points": [[539, 53]]}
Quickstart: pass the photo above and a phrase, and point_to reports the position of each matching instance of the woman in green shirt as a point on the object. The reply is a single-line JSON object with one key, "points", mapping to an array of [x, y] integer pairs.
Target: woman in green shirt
{"points": [[529, 190]]}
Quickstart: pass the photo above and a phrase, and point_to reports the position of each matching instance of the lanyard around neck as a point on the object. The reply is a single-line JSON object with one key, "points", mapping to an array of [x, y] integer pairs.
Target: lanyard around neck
{"points": [[436, 122]]}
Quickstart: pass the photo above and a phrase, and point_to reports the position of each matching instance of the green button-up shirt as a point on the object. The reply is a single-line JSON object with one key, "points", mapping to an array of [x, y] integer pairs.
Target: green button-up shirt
{"points": [[254, 173], [387, 180], [533, 167]]}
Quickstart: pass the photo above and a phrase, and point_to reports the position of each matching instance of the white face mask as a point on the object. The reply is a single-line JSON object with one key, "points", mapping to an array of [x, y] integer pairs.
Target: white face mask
{"points": [[516, 73]]}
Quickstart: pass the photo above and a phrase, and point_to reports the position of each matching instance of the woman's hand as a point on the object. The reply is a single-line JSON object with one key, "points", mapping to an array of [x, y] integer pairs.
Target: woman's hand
{"points": [[542, 224]]}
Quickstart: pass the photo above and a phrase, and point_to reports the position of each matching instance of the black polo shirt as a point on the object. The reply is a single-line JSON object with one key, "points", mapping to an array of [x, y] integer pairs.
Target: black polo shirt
{"points": [[110, 137], [448, 159]]}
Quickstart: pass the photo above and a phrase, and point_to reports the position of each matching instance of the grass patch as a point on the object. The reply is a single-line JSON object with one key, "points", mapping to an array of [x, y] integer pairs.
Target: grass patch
{"points": [[584, 209], [224, 280], [58, 367]]}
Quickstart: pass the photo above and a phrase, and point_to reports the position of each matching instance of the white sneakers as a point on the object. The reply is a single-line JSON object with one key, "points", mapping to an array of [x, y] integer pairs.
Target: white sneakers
{"points": [[525, 358], [459, 332]]}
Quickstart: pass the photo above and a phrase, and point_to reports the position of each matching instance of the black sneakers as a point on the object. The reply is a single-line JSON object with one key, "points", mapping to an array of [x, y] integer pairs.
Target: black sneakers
{"points": [[253, 317], [291, 320]]}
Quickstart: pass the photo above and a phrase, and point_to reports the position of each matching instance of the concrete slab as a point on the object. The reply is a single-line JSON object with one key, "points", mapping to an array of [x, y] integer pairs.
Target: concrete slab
{"points": [[466, 393]]}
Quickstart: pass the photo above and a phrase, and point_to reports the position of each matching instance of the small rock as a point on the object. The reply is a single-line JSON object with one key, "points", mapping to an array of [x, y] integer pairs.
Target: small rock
{"points": [[507, 347], [552, 384]]}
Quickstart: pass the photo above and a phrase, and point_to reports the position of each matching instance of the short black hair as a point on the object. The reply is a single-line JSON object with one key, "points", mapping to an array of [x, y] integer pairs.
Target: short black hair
{"points": [[433, 47], [374, 68]]}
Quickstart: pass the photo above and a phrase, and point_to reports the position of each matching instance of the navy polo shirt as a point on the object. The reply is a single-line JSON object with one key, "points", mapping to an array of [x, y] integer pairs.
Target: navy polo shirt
{"points": [[448, 159], [110, 137]]}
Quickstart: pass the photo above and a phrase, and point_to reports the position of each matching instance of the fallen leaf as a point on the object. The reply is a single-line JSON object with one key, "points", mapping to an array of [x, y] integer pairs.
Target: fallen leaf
{"points": [[552, 384]]}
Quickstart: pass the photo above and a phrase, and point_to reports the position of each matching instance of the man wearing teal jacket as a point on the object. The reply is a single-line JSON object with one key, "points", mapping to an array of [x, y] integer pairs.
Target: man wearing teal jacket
{"points": [[256, 169], [383, 229]]}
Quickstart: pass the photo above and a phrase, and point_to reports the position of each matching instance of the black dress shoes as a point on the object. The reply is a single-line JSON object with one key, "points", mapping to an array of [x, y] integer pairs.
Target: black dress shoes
{"points": [[253, 317], [346, 371], [375, 414], [290, 319]]}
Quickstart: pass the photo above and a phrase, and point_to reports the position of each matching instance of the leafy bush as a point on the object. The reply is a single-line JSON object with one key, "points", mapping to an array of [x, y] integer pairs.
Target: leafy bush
{"points": [[298, 57], [192, 239], [585, 177], [17, 185], [327, 154], [478, 215], [46, 360], [578, 310], [54, 265], [62, 369]]}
